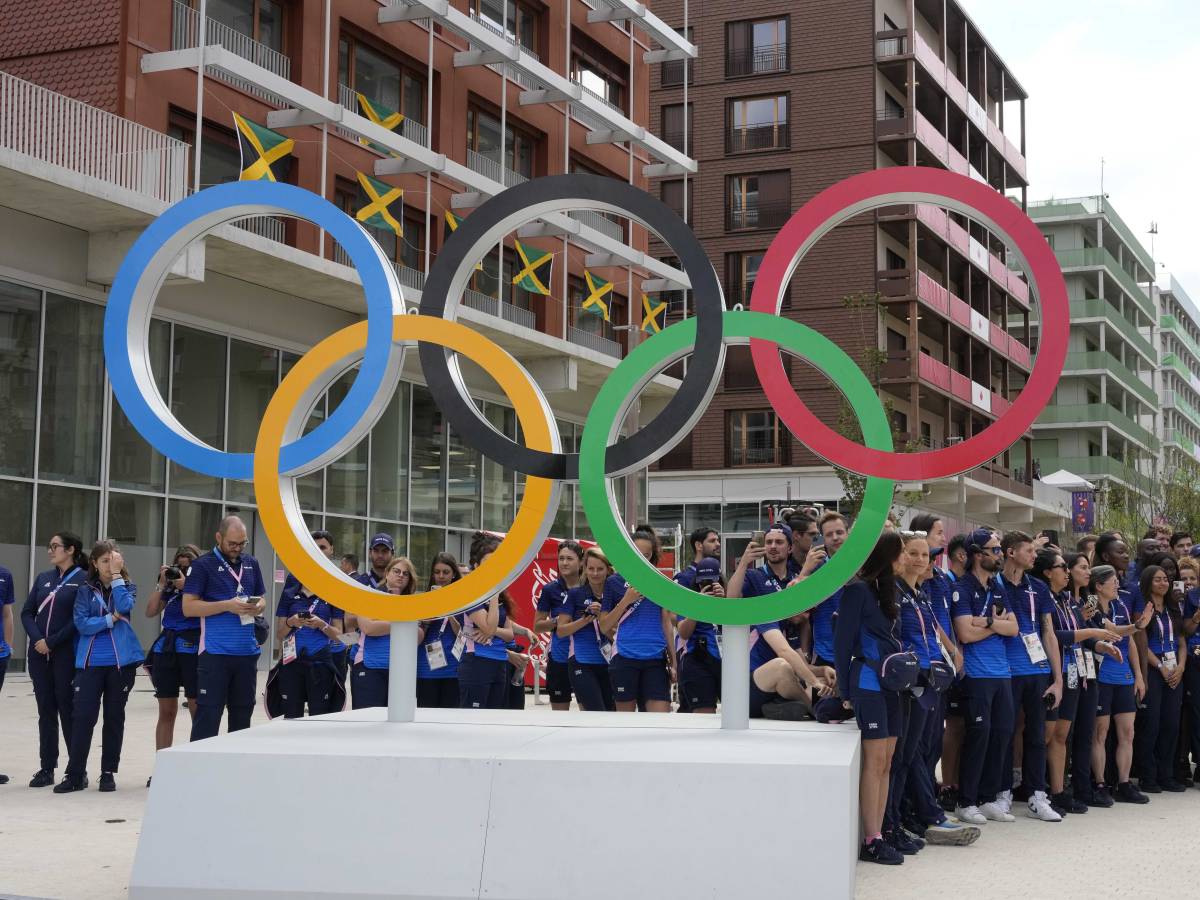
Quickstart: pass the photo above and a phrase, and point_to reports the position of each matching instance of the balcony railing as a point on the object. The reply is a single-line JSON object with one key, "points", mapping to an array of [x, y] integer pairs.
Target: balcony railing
{"points": [[773, 136], [593, 341], [889, 44], [1091, 257], [185, 33], [410, 278], [520, 77], [1103, 413], [1093, 360], [270, 227], [410, 128], [600, 222], [65, 133], [507, 311], [490, 168], [672, 72], [1092, 467], [760, 215], [757, 60]]}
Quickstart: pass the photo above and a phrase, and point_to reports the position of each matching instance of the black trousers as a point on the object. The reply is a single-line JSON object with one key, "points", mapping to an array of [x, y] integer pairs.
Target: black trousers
{"points": [[1027, 692], [913, 719], [989, 731], [224, 681], [1157, 728], [307, 679], [437, 693], [52, 679], [592, 686], [1081, 740], [98, 686]]}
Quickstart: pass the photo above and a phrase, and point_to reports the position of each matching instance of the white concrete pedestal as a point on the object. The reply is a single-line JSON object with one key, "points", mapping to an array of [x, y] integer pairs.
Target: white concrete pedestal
{"points": [[523, 804]]}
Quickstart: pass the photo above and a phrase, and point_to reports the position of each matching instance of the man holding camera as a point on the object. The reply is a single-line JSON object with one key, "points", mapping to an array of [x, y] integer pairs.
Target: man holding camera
{"points": [[225, 590], [1036, 685]]}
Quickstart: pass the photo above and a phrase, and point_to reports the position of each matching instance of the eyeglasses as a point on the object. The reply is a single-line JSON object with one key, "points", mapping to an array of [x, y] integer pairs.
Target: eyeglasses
{"points": [[54, 546], [236, 545], [1061, 565], [995, 551]]}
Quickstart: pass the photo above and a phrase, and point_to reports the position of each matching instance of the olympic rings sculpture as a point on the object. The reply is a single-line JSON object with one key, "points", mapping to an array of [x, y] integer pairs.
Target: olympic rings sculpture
{"points": [[283, 452]]}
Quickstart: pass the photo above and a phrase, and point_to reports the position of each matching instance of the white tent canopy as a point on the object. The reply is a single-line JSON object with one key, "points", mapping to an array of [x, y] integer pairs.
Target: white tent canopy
{"points": [[1068, 481]]}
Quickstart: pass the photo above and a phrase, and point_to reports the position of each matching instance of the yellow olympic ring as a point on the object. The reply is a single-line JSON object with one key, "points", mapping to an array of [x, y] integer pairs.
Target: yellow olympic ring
{"points": [[318, 574]]}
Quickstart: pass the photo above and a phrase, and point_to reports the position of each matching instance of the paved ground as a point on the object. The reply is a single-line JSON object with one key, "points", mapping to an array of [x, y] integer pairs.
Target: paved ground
{"points": [[81, 845]]}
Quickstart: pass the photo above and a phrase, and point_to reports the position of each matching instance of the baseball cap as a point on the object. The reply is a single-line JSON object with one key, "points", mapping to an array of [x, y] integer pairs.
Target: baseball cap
{"points": [[978, 538], [385, 539], [708, 568], [779, 526]]}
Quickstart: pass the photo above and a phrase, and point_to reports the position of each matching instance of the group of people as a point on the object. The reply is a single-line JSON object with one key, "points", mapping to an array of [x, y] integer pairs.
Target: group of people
{"points": [[983, 670]]}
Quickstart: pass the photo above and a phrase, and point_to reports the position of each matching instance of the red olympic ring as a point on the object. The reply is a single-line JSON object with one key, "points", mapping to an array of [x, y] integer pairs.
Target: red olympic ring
{"points": [[887, 187]]}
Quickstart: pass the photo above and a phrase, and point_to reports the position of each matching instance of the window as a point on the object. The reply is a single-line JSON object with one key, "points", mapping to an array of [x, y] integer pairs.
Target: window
{"points": [[761, 200], [220, 159], [579, 165], [484, 280], [755, 438], [483, 137], [672, 195], [892, 108], [598, 72], [741, 269], [756, 123], [673, 127], [381, 79], [260, 20], [593, 323], [20, 328], [672, 70], [756, 47], [519, 24], [894, 260]]}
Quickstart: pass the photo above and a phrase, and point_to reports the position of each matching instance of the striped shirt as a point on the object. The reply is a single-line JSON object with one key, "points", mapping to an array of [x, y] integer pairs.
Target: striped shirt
{"points": [[212, 579]]}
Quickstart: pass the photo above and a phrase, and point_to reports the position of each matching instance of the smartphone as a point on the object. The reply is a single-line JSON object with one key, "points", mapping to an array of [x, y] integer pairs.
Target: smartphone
{"points": [[1051, 536], [702, 583], [304, 614], [758, 539], [1179, 586], [818, 541]]}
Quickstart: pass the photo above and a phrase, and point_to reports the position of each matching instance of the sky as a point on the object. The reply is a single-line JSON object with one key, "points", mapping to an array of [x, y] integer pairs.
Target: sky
{"points": [[1113, 79]]}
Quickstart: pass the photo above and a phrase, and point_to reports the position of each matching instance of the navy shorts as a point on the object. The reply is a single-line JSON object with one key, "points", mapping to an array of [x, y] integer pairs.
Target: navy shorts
{"points": [[700, 679], [1069, 706], [640, 680], [1115, 699], [558, 682], [878, 714], [170, 672]]}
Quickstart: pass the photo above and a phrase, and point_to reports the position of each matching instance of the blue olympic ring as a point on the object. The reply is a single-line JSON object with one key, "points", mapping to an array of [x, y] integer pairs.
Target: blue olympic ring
{"points": [[127, 325]]}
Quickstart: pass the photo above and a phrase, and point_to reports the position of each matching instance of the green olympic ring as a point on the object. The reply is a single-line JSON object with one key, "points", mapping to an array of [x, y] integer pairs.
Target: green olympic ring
{"points": [[604, 421]]}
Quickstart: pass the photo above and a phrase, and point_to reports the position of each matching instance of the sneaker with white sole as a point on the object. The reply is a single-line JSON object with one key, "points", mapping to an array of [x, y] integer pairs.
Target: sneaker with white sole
{"points": [[1039, 808], [952, 834], [994, 812], [970, 815], [1004, 801]]}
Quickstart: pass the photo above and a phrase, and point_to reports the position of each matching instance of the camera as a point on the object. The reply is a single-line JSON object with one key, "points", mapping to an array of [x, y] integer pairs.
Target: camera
{"points": [[172, 573], [702, 583]]}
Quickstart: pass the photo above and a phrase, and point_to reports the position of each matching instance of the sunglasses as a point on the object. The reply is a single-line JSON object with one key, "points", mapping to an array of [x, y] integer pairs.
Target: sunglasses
{"points": [[1061, 565]]}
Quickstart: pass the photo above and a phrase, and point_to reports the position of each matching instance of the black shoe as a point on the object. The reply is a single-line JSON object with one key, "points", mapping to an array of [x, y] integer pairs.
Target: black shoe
{"points": [[71, 783], [1073, 804], [1101, 797], [1061, 804], [1146, 786], [148, 781], [880, 852], [1127, 793], [915, 837], [898, 840], [1021, 793], [43, 778], [913, 827], [948, 798], [3, 779], [1173, 786], [107, 782], [787, 711]]}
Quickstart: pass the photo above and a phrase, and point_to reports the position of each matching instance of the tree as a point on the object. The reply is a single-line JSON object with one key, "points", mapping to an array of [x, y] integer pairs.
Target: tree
{"points": [[1172, 497]]}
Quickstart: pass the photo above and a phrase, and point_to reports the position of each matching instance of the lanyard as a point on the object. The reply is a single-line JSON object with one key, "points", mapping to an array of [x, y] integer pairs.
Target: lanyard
{"points": [[1066, 615], [50, 597], [1167, 635], [229, 568]]}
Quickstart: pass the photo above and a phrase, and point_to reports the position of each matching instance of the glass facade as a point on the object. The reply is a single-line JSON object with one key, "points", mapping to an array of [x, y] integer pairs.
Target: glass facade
{"points": [[70, 460]]}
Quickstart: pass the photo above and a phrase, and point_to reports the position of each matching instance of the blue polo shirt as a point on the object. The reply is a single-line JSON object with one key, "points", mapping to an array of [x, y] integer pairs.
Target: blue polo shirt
{"points": [[1029, 601], [7, 598], [551, 599], [822, 617], [212, 579], [917, 624], [585, 643], [438, 631], [760, 650], [1190, 606], [759, 582], [494, 647], [639, 632], [706, 630], [1111, 671], [939, 588], [1162, 634], [1067, 618], [987, 658], [293, 600], [173, 619]]}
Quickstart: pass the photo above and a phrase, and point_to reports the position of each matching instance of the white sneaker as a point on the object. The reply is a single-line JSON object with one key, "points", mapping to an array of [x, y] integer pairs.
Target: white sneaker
{"points": [[1004, 801], [1039, 808], [995, 812], [970, 815]]}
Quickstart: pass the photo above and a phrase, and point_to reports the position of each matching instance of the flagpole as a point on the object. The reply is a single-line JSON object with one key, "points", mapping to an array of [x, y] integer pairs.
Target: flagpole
{"points": [[203, 36], [324, 128], [503, 172]]}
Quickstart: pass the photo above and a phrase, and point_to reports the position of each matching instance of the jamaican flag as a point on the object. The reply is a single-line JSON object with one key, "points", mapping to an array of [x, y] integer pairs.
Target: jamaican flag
{"points": [[452, 226], [266, 154], [599, 293], [537, 267], [380, 205], [655, 315], [381, 116]]}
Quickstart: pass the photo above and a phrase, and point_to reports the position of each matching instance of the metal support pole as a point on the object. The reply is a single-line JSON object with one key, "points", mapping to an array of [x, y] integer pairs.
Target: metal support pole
{"points": [[202, 37], [402, 673], [735, 678]]}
